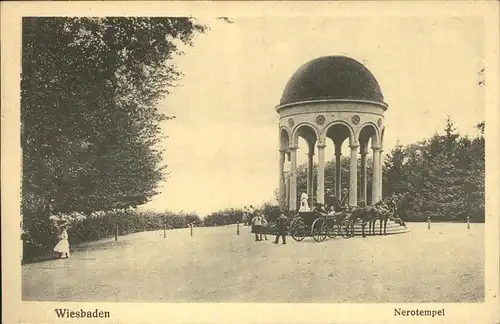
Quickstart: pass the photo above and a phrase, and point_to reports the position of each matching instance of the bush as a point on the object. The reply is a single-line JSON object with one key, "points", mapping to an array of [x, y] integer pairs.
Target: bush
{"points": [[234, 215], [40, 236], [272, 212], [224, 217]]}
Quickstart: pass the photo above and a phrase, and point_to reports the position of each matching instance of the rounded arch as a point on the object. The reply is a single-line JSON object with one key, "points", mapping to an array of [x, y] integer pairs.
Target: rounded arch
{"points": [[284, 138], [367, 131], [329, 130], [306, 130]]}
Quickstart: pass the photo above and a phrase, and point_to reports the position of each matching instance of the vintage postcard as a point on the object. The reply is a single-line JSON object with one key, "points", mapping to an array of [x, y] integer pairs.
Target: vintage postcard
{"points": [[250, 162]]}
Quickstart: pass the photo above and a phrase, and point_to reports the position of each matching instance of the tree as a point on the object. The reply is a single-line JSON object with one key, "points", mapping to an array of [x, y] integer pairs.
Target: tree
{"points": [[193, 218], [395, 180], [90, 124], [271, 211], [413, 166], [443, 192], [473, 163], [441, 177]]}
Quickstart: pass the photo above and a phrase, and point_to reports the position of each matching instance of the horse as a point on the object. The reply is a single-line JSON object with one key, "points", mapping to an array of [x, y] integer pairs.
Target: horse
{"points": [[365, 214], [386, 208], [381, 211], [382, 215], [345, 213]]}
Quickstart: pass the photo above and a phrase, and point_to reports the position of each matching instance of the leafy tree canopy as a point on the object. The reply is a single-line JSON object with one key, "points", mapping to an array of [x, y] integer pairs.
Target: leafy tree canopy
{"points": [[90, 89]]}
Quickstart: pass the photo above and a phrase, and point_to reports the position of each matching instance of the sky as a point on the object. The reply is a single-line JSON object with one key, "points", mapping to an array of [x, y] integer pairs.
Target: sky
{"points": [[222, 148]]}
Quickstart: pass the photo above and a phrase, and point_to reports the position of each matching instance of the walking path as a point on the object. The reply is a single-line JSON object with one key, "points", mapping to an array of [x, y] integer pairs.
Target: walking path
{"points": [[444, 264]]}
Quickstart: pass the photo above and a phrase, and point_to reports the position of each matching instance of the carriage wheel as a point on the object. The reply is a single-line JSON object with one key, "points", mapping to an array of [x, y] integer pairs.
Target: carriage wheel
{"points": [[319, 230], [333, 231], [298, 229], [345, 229]]}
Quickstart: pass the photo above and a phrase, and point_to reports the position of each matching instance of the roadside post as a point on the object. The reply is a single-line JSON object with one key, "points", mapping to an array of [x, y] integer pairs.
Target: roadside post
{"points": [[429, 222], [237, 227]]}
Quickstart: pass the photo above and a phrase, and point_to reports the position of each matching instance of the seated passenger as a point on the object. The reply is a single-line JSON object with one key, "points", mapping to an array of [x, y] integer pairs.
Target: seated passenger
{"points": [[322, 209]]}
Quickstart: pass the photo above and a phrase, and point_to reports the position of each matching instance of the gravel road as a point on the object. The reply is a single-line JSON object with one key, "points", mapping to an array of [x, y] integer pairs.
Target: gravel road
{"points": [[444, 264]]}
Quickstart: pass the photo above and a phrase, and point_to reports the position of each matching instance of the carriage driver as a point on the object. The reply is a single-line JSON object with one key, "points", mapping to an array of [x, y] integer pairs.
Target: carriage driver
{"points": [[330, 211], [344, 197]]}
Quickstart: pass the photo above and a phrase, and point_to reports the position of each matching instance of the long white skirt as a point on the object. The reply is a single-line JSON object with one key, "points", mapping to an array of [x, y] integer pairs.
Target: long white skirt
{"points": [[304, 206], [62, 247]]}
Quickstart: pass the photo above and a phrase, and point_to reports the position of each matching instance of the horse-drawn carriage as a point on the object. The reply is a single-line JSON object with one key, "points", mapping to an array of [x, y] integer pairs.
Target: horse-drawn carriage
{"points": [[341, 221], [319, 225]]}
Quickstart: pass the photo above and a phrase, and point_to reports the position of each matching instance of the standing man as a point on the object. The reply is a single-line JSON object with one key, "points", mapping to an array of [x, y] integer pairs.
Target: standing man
{"points": [[329, 197], [282, 223]]}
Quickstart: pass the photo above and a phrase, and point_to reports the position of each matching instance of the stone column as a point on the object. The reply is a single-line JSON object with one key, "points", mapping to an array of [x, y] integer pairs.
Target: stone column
{"points": [[310, 172], [338, 173], [380, 193], [287, 191], [376, 175], [321, 174], [363, 181], [293, 178], [282, 184], [353, 176]]}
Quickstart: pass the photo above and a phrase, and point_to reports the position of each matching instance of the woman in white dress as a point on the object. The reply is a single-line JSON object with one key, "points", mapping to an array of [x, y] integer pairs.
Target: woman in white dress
{"points": [[55, 233], [63, 246], [304, 205]]}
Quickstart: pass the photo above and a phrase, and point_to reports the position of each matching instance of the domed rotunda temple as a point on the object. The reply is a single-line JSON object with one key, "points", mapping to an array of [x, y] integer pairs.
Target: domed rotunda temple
{"points": [[332, 97]]}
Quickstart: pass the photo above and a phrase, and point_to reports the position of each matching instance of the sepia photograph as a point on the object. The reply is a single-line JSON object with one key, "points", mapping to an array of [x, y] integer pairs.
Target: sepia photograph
{"points": [[224, 158]]}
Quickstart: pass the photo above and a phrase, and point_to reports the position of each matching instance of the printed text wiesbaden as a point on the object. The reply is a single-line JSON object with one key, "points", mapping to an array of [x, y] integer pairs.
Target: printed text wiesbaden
{"points": [[81, 313]]}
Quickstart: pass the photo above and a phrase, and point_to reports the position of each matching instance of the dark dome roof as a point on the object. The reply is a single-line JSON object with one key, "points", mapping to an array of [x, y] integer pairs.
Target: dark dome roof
{"points": [[332, 77]]}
